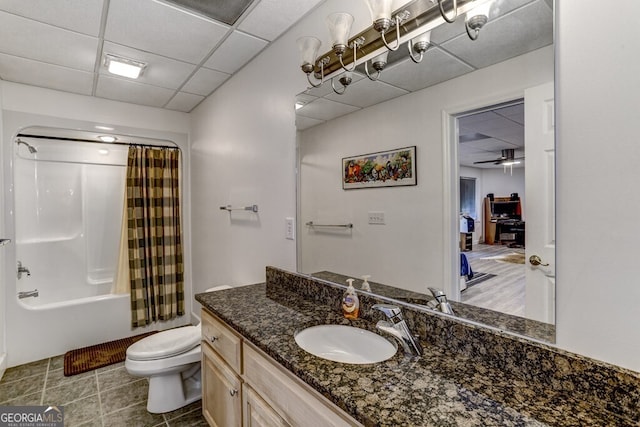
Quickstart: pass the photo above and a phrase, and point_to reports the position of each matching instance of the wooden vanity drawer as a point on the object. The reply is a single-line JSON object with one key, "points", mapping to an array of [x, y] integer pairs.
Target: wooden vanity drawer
{"points": [[223, 340], [296, 402]]}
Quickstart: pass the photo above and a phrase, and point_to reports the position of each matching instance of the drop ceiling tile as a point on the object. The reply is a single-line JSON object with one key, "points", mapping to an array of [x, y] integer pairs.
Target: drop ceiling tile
{"points": [[160, 71], [273, 17], [184, 102], [436, 67], [303, 123], [492, 145], [305, 98], [521, 31], [20, 70], [447, 31], [205, 81], [513, 112], [82, 16], [234, 52], [162, 29], [42, 42], [366, 93], [129, 91], [324, 109]]}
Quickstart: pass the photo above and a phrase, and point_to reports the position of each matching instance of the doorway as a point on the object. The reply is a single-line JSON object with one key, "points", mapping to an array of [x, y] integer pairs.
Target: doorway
{"points": [[490, 144], [536, 201]]}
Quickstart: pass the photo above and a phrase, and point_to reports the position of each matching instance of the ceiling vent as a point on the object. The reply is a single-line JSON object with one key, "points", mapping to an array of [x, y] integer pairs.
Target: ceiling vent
{"points": [[222, 11]]}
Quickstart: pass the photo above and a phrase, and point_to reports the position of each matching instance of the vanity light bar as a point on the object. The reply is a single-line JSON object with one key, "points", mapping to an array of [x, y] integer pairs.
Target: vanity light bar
{"points": [[424, 15]]}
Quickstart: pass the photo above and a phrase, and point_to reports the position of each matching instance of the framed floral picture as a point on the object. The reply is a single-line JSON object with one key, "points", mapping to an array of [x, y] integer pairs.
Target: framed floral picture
{"points": [[392, 168]]}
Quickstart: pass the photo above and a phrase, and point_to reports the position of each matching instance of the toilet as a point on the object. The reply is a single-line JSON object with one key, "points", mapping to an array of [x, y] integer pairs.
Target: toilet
{"points": [[171, 361]]}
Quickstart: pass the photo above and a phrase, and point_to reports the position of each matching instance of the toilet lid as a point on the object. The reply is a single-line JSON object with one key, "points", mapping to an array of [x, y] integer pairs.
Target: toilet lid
{"points": [[165, 344]]}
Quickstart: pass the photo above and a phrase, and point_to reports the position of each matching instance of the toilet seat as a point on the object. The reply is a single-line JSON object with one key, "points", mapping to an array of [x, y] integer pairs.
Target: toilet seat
{"points": [[165, 344]]}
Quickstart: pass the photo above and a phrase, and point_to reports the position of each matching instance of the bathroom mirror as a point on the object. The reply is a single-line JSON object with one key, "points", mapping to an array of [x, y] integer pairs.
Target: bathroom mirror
{"points": [[451, 106]]}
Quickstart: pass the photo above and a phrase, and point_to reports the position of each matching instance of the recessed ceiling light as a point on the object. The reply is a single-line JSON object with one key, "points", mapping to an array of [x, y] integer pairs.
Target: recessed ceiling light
{"points": [[107, 138], [124, 67]]}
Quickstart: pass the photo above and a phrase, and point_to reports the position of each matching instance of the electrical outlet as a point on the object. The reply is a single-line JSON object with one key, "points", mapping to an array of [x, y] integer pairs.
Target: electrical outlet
{"points": [[290, 231], [376, 218]]}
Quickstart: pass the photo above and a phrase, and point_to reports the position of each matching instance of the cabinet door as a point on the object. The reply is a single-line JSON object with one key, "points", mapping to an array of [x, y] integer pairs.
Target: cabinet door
{"points": [[257, 412], [221, 388]]}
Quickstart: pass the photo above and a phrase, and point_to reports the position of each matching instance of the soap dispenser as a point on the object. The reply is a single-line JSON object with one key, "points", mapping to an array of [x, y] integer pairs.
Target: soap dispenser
{"points": [[350, 302], [365, 283]]}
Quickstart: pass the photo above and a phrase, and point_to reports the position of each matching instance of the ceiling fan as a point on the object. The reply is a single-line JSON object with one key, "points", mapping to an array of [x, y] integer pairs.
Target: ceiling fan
{"points": [[507, 158]]}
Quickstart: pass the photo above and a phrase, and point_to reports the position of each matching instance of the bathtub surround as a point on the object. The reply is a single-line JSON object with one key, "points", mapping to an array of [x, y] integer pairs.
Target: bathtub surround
{"points": [[156, 269], [34, 334], [543, 382]]}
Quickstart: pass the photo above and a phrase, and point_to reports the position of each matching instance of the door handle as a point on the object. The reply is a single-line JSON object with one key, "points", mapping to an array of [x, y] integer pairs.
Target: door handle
{"points": [[536, 260]]}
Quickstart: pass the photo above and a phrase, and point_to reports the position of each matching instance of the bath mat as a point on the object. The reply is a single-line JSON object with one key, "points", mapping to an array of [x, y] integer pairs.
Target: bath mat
{"points": [[478, 278], [96, 356]]}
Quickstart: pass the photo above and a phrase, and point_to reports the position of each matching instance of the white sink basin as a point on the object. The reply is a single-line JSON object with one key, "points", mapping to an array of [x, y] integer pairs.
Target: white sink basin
{"points": [[345, 344]]}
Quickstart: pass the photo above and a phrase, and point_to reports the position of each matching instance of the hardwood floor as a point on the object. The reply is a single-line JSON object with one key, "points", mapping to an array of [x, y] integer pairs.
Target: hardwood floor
{"points": [[506, 291]]}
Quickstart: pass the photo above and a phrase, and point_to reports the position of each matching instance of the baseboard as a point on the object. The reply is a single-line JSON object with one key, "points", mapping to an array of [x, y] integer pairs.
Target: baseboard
{"points": [[3, 364]]}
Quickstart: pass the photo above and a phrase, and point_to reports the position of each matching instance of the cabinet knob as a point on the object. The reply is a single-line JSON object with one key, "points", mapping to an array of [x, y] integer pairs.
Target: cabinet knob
{"points": [[536, 260], [213, 338], [233, 392]]}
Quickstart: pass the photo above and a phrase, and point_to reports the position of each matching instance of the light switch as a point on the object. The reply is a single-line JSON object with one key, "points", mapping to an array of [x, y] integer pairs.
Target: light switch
{"points": [[376, 218], [290, 232]]}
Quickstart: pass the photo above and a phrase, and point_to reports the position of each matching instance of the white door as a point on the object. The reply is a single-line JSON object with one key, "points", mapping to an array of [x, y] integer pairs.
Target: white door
{"points": [[540, 241]]}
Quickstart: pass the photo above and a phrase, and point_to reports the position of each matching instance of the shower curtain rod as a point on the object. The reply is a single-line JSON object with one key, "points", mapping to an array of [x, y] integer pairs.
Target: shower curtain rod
{"points": [[61, 138]]}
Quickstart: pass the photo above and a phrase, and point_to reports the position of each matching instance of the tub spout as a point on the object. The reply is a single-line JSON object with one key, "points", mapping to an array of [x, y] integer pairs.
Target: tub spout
{"points": [[27, 294], [22, 269]]}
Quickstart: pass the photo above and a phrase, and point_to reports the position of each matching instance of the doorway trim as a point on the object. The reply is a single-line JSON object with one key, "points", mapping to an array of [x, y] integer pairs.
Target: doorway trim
{"points": [[451, 192]]}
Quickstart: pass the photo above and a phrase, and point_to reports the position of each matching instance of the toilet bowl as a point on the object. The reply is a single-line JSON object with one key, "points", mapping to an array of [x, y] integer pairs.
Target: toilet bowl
{"points": [[171, 361]]}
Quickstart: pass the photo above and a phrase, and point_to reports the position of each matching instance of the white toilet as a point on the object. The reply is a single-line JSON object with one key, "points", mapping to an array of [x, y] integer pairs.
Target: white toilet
{"points": [[171, 361]]}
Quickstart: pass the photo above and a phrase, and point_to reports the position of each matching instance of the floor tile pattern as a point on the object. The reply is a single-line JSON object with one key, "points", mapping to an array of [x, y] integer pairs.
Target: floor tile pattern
{"points": [[106, 397]]}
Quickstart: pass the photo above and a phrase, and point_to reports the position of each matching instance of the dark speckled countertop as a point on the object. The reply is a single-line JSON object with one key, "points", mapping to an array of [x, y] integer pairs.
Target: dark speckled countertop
{"points": [[440, 388]]}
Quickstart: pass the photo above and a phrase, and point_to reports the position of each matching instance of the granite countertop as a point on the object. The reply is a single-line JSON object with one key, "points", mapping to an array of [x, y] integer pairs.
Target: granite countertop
{"points": [[437, 389]]}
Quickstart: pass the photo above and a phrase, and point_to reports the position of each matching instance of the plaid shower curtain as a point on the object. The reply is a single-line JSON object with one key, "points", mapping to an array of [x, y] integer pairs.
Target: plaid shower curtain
{"points": [[154, 234]]}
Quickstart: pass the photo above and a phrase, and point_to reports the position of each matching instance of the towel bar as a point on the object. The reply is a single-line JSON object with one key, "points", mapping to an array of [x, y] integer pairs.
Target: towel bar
{"points": [[312, 224], [252, 208]]}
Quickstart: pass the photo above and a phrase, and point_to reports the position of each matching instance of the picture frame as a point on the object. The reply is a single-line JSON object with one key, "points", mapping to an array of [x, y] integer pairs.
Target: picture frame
{"points": [[391, 168]]}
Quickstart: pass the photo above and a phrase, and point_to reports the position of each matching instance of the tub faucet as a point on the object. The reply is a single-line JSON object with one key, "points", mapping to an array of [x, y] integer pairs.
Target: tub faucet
{"points": [[27, 294], [441, 301], [397, 327], [22, 269]]}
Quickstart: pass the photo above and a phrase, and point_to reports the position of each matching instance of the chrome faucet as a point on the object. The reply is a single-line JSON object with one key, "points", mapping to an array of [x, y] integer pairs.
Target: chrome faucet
{"points": [[22, 269], [441, 301], [27, 294], [397, 327]]}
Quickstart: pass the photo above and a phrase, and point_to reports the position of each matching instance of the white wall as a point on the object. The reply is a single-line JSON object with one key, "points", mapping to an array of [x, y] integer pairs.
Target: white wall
{"points": [[502, 184], [598, 291], [243, 151], [33, 335], [408, 250]]}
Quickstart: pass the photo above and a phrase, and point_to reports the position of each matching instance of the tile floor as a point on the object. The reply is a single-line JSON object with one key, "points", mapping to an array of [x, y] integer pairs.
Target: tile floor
{"points": [[102, 398]]}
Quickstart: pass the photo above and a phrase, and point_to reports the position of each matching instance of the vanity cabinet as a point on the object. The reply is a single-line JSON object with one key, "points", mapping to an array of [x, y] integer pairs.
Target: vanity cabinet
{"points": [[221, 382], [221, 391], [257, 412], [242, 386]]}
